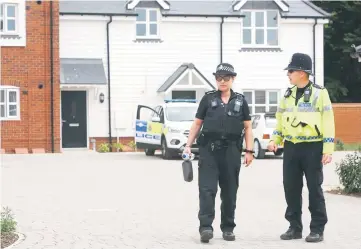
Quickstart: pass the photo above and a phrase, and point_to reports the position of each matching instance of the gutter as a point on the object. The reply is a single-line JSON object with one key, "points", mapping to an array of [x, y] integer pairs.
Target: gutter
{"points": [[109, 99], [314, 51], [221, 39], [51, 77], [95, 14], [201, 15], [304, 17]]}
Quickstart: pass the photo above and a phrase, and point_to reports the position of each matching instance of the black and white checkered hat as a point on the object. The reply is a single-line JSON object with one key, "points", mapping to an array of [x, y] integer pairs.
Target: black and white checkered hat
{"points": [[225, 69]]}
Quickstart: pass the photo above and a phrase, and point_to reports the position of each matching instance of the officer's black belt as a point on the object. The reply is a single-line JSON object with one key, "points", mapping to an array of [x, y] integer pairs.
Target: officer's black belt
{"points": [[221, 144]]}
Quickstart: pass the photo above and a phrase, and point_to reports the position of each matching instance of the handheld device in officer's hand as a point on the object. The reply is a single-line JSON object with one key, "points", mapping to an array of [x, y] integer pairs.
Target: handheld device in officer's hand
{"points": [[187, 167]]}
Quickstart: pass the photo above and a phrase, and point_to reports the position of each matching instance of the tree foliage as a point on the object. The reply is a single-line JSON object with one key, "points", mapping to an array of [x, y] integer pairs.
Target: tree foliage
{"points": [[342, 73]]}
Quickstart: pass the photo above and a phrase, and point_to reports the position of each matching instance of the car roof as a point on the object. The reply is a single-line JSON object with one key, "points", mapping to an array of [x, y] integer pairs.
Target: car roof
{"points": [[180, 104]]}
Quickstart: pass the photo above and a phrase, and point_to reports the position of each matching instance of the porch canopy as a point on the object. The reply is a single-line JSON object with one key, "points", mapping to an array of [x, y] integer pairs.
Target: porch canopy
{"points": [[186, 76], [82, 71]]}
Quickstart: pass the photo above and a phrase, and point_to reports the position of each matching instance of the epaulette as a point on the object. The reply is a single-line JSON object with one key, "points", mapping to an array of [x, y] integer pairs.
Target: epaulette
{"points": [[212, 91], [239, 94], [317, 86]]}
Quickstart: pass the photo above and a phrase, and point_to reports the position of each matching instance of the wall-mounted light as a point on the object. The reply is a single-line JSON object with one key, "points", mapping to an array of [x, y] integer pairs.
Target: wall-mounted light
{"points": [[101, 97]]}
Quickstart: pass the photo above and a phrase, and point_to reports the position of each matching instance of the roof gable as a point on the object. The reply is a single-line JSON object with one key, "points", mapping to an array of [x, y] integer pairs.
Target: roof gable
{"points": [[281, 4], [133, 3], [184, 70]]}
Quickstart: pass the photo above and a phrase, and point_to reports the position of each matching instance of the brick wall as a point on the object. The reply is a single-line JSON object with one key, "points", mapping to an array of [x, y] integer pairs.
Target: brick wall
{"points": [[101, 140], [28, 67], [348, 122]]}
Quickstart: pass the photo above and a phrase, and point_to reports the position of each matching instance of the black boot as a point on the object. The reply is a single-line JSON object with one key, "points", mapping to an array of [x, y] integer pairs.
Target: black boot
{"points": [[206, 235], [314, 237], [291, 234], [229, 236]]}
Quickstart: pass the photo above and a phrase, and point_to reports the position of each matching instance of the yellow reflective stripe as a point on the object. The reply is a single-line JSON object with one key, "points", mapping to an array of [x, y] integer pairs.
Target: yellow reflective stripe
{"points": [[282, 110], [307, 109], [327, 108]]}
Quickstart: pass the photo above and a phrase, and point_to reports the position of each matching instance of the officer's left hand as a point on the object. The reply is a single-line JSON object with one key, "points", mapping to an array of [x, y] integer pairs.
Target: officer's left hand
{"points": [[326, 158], [248, 158]]}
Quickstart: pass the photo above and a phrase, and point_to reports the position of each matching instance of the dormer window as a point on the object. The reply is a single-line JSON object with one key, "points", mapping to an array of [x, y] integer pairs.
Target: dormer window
{"points": [[147, 23], [8, 18], [260, 28]]}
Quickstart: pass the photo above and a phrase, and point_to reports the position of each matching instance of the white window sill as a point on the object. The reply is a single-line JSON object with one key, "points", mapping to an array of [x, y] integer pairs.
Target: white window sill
{"points": [[10, 119], [257, 48], [147, 39]]}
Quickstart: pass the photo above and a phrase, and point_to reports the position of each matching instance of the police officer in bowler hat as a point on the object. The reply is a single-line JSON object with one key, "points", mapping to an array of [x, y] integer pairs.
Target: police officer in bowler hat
{"points": [[224, 115], [305, 122]]}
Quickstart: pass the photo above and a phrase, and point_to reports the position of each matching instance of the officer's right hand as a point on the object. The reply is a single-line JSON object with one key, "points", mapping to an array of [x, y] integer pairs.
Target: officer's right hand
{"points": [[187, 150], [272, 146]]}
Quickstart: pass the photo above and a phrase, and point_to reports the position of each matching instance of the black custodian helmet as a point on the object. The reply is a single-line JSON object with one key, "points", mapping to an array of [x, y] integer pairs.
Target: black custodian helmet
{"points": [[300, 62]]}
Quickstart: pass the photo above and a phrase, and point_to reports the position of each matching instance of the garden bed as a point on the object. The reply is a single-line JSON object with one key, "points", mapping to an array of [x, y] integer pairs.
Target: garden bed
{"points": [[7, 239], [339, 191]]}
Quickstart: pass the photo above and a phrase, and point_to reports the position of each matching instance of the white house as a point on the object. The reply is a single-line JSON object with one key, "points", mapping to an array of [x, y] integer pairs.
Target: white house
{"points": [[118, 54]]}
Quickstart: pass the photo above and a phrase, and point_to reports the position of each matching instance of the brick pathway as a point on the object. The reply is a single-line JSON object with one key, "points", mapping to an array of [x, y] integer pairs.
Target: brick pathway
{"points": [[133, 201]]}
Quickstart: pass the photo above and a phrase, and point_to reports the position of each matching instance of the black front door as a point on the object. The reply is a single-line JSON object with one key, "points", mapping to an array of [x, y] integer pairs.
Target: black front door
{"points": [[73, 113]]}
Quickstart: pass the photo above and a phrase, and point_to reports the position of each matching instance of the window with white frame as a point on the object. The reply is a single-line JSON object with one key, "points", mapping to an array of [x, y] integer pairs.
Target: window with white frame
{"points": [[8, 18], [260, 101], [260, 28], [9, 103], [147, 23]]}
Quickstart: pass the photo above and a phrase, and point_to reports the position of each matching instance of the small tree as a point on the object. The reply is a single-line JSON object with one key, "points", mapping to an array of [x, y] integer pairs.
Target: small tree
{"points": [[8, 224], [349, 172]]}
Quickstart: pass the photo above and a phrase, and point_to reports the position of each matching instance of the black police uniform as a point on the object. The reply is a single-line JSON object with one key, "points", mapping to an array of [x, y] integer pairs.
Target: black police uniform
{"points": [[303, 158], [220, 146]]}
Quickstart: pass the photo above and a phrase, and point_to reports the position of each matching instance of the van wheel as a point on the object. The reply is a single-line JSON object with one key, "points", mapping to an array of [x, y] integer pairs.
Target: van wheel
{"points": [[259, 153], [165, 151], [149, 152]]}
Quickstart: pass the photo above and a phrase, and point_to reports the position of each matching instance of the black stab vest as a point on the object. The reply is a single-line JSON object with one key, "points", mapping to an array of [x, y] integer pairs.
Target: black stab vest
{"points": [[224, 121]]}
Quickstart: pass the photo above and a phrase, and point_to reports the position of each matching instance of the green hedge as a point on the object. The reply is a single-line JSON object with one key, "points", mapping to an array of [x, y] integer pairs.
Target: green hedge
{"points": [[349, 172]]}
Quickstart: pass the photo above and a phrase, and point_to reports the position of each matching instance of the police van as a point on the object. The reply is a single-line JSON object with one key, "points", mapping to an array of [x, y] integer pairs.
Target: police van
{"points": [[165, 127]]}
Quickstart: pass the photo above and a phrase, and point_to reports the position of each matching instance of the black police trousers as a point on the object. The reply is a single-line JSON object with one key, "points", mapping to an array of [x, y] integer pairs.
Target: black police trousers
{"points": [[298, 160], [222, 165]]}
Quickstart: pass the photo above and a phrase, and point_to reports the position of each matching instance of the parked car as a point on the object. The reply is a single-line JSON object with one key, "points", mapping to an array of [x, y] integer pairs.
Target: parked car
{"points": [[263, 125], [166, 127]]}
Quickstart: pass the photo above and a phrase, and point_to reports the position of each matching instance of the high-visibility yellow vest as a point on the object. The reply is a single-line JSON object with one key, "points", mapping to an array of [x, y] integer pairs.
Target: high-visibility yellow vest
{"points": [[307, 121]]}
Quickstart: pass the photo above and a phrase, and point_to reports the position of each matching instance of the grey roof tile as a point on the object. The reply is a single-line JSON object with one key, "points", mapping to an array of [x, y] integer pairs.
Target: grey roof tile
{"points": [[302, 8]]}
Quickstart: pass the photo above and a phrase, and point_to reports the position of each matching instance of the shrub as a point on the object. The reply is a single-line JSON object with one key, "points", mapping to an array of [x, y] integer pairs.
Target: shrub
{"points": [[349, 172], [132, 144], [118, 146], [340, 145], [8, 224], [104, 147]]}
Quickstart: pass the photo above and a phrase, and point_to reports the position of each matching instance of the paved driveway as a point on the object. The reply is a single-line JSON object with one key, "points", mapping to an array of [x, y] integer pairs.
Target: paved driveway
{"points": [[90, 200]]}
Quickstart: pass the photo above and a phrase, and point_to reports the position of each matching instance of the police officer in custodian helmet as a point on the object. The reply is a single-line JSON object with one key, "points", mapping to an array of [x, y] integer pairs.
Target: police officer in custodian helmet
{"points": [[224, 115], [305, 121]]}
